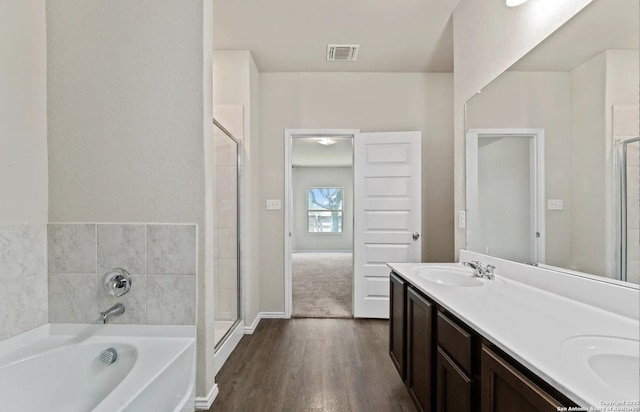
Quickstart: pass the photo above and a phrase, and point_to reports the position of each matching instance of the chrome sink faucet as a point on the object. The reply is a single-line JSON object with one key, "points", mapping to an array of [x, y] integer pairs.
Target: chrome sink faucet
{"points": [[479, 271], [476, 266], [115, 310]]}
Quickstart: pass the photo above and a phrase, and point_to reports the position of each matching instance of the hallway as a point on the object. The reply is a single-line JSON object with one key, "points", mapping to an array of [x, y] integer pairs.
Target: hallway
{"points": [[297, 365]]}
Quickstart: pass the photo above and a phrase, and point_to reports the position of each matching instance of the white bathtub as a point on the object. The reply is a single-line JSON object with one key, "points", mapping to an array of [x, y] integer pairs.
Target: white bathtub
{"points": [[56, 368]]}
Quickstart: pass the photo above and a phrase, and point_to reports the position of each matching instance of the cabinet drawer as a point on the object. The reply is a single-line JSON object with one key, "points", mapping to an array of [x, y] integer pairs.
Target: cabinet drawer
{"points": [[455, 341]]}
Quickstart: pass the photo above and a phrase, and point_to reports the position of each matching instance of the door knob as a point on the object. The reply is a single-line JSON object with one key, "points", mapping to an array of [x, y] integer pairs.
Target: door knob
{"points": [[416, 235]]}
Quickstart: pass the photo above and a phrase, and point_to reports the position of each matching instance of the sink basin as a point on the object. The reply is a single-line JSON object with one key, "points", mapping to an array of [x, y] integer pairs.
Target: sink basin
{"points": [[449, 276], [615, 361]]}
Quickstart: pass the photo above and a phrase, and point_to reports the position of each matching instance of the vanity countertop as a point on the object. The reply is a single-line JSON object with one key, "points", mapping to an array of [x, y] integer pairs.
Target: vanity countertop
{"points": [[546, 332]]}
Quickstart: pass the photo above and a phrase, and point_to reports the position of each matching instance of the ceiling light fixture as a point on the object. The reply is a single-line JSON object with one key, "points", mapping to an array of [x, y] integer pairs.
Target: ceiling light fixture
{"points": [[325, 141], [514, 3]]}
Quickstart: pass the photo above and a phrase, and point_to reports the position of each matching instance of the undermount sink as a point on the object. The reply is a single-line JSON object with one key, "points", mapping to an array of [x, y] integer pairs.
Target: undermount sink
{"points": [[448, 275], [614, 360]]}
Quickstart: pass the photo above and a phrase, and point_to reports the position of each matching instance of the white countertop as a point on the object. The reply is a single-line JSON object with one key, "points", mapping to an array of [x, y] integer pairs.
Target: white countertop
{"points": [[531, 325]]}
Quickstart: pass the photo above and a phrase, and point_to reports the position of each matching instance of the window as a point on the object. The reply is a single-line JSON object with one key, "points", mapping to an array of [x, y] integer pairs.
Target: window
{"points": [[324, 210]]}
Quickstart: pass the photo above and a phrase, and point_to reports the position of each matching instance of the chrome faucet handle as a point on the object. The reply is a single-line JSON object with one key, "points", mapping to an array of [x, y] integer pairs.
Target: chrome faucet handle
{"points": [[490, 272], [117, 282]]}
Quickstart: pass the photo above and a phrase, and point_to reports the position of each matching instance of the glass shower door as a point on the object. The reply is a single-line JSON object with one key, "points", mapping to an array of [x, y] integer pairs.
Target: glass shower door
{"points": [[226, 255], [629, 172]]}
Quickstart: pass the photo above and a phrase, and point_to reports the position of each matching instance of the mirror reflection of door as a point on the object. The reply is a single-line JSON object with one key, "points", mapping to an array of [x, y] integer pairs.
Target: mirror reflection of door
{"points": [[504, 202]]}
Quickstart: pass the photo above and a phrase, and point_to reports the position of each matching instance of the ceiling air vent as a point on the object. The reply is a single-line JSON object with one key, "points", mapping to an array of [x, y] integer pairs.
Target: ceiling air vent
{"points": [[342, 52]]}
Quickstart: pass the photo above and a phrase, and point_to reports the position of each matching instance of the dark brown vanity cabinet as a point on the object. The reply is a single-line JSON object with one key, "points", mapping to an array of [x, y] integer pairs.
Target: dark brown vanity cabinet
{"points": [[448, 367], [420, 350], [397, 323], [454, 386], [455, 379], [504, 388]]}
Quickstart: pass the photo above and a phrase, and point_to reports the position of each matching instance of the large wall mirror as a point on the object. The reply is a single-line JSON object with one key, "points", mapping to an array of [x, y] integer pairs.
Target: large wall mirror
{"points": [[552, 150]]}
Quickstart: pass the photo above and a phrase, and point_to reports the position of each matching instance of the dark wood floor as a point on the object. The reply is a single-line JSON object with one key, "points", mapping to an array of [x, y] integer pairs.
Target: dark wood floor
{"points": [[333, 365]]}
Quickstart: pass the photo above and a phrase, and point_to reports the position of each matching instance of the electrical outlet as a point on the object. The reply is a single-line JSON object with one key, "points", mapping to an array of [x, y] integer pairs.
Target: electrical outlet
{"points": [[273, 204], [555, 204]]}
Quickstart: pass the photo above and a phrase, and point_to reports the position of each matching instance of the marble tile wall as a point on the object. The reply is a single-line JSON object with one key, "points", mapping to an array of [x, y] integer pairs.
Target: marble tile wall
{"points": [[160, 258], [23, 278]]}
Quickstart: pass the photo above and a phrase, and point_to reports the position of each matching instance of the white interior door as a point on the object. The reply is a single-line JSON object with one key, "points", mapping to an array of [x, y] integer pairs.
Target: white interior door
{"points": [[386, 214]]}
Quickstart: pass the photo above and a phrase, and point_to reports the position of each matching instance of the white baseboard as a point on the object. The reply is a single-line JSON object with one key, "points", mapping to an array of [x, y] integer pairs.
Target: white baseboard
{"points": [[229, 344], [204, 403], [248, 330]]}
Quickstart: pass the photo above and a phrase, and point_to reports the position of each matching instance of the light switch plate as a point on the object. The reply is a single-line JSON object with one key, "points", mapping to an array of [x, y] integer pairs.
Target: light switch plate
{"points": [[273, 204], [555, 204]]}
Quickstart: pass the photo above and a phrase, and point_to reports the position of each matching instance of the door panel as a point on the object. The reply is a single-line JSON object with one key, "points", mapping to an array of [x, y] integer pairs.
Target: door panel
{"points": [[387, 197], [376, 220]]}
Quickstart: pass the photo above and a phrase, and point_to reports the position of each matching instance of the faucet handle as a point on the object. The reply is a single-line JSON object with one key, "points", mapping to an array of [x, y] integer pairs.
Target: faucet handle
{"points": [[489, 271], [117, 282]]}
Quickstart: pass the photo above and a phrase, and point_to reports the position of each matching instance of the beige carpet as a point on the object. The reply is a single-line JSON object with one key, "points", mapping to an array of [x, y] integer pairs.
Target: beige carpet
{"points": [[322, 284]]}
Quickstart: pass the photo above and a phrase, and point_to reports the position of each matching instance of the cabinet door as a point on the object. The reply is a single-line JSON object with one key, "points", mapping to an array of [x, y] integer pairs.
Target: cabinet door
{"points": [[420, 350], [504, 389], [454, 386], [397, 323]]}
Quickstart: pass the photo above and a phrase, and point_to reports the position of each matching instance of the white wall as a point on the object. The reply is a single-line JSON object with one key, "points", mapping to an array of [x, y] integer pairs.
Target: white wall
{"points": [[536, 100], [623, 78], [236, 82], [588, 86], [308, 177], [129, 97], [23, 166], [369, 102], [608, 79], [488, 38], [23, 112]]}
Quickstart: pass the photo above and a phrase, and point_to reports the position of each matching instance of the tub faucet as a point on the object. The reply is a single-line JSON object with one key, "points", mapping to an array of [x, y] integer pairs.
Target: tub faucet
{"points": [[115, 310]]}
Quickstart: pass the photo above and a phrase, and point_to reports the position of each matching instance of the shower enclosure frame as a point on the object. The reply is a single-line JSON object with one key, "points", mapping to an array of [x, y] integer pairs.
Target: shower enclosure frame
{"points": [[239, 318], [621, 157]]}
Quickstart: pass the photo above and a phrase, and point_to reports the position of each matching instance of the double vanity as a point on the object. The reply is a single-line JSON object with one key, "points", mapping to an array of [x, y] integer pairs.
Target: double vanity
{"points": [[524, 339]]}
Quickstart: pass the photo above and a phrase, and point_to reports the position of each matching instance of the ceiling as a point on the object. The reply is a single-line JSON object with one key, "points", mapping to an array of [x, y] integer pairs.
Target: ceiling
{"points": [[602, 25], [292, 35], [307, 152]]}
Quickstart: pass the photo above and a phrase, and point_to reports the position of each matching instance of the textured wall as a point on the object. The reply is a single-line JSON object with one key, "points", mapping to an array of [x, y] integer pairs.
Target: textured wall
{"points": [[369, 102], [23, 166], [488, 38], [23, 112], [129, 96]]}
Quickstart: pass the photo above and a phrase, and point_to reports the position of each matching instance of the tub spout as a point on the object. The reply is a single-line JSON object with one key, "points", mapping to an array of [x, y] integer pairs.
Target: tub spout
{"points": [[115, 310]]}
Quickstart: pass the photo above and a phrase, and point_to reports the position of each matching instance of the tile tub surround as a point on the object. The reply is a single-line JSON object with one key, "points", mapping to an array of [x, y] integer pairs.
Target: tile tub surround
{"points": [[23, 278], [161, 259], [529, 312]]}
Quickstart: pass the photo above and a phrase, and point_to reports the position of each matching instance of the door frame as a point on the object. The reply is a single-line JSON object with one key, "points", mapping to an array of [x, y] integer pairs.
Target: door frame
{"points": [[538, 200], [289, 135]]}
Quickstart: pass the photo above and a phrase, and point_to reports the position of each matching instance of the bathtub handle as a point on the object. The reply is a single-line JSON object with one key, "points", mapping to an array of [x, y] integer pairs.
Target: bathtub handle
{"points": [[117, 282]]}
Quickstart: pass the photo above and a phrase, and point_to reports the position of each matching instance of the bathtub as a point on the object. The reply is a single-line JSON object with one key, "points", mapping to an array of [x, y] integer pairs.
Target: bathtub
{"points": [[57, 368]]}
